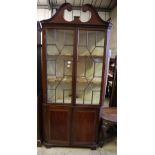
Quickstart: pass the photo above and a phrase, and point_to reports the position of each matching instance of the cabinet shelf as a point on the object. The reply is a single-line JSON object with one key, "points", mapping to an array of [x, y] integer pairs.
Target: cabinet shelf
{"points": [[55, 79], [83, 80], [67, 55], [52, 79]]}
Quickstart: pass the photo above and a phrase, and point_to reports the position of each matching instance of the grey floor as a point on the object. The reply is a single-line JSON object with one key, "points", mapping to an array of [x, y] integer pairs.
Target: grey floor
{"points": [[108, 149]]}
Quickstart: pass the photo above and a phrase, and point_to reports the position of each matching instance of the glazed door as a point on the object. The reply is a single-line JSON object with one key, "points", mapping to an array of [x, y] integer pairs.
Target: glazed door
{"points": [[59, 66], [89, 67], [90, 52], [59, 62]]}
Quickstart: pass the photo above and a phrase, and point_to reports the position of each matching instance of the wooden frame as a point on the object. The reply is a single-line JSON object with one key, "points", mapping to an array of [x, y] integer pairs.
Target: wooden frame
{"points": [[71, 124], [39, 89]]}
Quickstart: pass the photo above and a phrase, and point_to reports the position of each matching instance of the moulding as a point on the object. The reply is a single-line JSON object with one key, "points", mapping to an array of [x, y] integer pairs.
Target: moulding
{"points": [[95, 19]]}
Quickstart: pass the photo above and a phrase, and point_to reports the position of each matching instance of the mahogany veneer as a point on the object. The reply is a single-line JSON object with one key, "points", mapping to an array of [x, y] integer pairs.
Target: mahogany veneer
{"points": [[70, 122]]}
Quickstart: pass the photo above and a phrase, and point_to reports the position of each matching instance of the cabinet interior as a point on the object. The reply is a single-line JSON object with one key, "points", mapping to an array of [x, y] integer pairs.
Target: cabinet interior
{"points": [[90, 49]]}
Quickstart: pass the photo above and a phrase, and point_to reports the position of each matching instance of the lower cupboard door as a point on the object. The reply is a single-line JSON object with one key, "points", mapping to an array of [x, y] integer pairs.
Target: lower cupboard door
{"points": [[58, 126], [85, 126]]}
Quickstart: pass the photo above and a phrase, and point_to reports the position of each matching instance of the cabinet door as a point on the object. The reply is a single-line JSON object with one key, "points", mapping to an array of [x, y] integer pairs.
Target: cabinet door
{"points": [[89, 67], [90, 53], [59, 62], [85, 126], [59, 46], [58, 125]]}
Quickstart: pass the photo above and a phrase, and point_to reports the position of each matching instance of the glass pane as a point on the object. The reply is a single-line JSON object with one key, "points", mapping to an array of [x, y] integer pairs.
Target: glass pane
{"points": [[51, 68], [67, 96], [51, 36], [97, 51], [81, 67], [96, 97], [83, 38], [57, 37], [52, 50], [83, 51], [98, 69], [91, 40], [80, 95], [88, 95], [68, 67], [89, 67], [59, 94], [51, 95], [67, 50], [68, 37], [100, 38], [81, 85], [59, 65]]}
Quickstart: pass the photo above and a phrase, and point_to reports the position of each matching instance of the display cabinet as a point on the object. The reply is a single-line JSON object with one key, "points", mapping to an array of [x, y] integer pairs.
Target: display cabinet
{"points": [[74, 73]]}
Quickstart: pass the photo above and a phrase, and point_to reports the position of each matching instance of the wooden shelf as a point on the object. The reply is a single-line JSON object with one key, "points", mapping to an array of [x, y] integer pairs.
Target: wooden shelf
{"points": [[83, 80], [68, 80], [54, 79], [67, 55]]}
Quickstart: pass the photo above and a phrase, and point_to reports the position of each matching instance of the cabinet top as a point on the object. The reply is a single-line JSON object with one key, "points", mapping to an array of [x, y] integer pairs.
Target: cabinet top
{"points": [[94, 21]]}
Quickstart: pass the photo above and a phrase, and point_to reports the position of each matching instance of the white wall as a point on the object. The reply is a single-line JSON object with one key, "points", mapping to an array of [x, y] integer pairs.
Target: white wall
{"points": [[43, 14]]}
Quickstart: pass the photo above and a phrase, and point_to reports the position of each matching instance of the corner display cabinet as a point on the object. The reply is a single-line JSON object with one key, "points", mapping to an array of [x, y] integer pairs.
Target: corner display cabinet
{"points": [[74, 73]]}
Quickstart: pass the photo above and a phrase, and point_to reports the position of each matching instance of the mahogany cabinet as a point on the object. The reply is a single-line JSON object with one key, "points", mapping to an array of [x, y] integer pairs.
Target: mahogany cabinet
{"points": [[74, 73]]}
